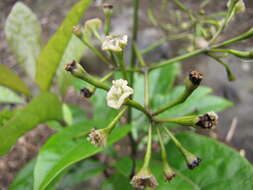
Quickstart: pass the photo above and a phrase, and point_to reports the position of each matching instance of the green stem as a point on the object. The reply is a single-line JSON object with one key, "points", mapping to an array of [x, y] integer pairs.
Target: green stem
{"points": [[184, 9], [139, 56], [230, 75], [105, 78], [139, 107], [163, 150], [120, 57], [163, 40], [187, 92], [190, 120], [149, 148], [146, 89], [96, 52], [107, 27], [243, 36], [116, 119], [225, 23]]}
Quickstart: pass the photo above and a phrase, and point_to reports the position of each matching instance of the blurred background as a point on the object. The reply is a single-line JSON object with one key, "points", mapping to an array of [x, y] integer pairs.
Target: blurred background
{"points": [[235, 124]]}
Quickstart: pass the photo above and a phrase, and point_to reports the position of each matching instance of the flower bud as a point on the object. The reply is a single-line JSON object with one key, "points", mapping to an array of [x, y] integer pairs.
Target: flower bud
{"points": [[208, 120], [195, 77], [118, 93], [86, 92], [107, 9], [144, 179], [201, 43], [92, 25], [98, 137], [114, 43], [70, 66]]}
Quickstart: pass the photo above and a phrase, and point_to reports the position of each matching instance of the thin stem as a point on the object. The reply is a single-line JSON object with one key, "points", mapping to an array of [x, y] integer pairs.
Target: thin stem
{"points": [[120, 57], [96, 52], [146, 89], [139, 107], [149, 148], [184, 9], [139, 56], [163, 40], [163, 150], [134, 36], [187, 92], [116, 119], [107, 26], [190, 120], [243, 36], [105, 78]]}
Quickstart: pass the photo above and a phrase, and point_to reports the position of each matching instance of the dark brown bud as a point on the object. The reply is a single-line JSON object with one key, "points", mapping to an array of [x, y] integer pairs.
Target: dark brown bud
{"points": [[195, 77], [85, 92], [194, 163], [170, 177], [107, 6], [70, 66], [208, 120]]}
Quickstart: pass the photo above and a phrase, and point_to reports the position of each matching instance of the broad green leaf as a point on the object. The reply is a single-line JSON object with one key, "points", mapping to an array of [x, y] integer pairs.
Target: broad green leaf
{"points": [[53, 52], [221, 168], [73, 51], [63, 150], [80, 172], [8, 96], [42, 108], [23, 33], [124, 166], [11, 80], [162, 80]]}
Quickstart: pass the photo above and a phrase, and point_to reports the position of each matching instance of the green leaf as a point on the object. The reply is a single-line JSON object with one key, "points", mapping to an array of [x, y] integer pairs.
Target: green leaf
{"points": [[11, 80], [8, 96], [23, 33], [63, 150], [162, 80], [73, 51], [53, 52], [42, 108], [81, 172], [124, 166], [5, 115], [221, 168]]}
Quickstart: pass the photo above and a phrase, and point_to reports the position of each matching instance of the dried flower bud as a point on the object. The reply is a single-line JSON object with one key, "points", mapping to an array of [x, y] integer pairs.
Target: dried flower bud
{"points": [[70, 66], [86, 92], [208, 120], [114, 43], [193, 162], [143, 179], [98, 137], [195, 77], [168, 172], [107, 8], [118, 93]]}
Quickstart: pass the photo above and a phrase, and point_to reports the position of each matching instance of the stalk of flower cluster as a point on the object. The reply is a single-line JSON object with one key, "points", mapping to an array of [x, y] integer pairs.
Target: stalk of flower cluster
{"points": [[237, 53], [191, 84], [230, 75], [179, 58], [108, 11], [120, 58], [192, 160], [144, 177], [99, 137], [225, 22], [78, 71], [168, 171]]}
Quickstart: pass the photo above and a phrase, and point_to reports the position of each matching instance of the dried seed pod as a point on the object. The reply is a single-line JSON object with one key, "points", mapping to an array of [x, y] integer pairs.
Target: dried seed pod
{"points": [[85, 92], [195, 77], [208, 120]]}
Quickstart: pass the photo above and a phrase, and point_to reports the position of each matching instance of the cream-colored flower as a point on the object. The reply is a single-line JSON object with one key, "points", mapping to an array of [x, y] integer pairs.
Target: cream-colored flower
{"points": [[114, 42], [118, 93]]}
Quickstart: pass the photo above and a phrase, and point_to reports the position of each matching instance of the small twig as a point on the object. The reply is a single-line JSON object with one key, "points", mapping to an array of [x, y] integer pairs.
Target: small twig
{"points": [[231, 130]]}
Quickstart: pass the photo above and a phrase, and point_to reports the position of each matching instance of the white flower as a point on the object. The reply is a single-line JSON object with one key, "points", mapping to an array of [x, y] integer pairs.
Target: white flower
{"points": [[114, 42], [118, 93]]}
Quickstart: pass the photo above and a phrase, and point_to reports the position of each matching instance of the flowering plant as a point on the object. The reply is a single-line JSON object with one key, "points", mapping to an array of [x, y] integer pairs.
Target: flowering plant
{"points": [[133, 97]]}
